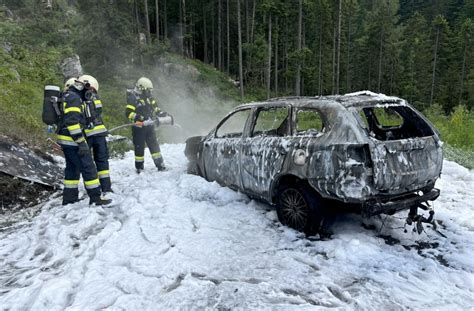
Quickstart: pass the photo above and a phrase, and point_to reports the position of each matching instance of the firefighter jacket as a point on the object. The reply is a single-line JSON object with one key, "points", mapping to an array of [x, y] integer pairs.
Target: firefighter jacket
{"points": [[72, 120], [140, 107], [93, 114]]}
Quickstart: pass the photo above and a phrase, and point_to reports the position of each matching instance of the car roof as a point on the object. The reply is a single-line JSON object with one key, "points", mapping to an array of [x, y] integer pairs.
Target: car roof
{"points": [[358, 99]]}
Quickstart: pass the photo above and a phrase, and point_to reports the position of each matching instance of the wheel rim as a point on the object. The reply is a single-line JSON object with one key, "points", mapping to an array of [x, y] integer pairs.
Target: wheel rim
{"points": [[294, 208]]}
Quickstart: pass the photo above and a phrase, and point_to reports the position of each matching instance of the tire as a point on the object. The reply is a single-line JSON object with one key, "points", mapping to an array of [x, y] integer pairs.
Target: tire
{"points": [[299, 207], [193, 168]]}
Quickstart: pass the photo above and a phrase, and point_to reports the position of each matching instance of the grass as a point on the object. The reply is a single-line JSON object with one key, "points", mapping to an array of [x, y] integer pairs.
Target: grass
{"points": [[465, 157], [457, 132], [23, 74]]}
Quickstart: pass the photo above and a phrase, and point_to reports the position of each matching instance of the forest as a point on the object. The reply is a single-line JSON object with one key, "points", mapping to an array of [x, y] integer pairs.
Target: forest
{"points": [[418, 50]]}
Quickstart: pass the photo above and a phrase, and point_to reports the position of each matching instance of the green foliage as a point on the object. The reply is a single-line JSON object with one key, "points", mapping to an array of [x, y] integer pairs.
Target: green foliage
{"points": [[216, 78], [463, 156], [23, 73], [456, 129], [386, 46]]}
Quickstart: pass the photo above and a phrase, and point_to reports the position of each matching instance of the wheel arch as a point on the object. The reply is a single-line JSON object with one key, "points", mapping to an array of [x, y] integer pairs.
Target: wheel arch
{"points": [[287, 179]]}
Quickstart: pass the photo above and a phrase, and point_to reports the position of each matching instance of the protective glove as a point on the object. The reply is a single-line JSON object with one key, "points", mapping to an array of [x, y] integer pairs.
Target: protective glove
{"points": [[148, 122], [83, 149], [138, 123]]}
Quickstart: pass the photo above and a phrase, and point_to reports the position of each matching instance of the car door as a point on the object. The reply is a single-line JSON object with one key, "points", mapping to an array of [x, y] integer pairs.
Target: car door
{"points": [[222, 150], [264, 150]]}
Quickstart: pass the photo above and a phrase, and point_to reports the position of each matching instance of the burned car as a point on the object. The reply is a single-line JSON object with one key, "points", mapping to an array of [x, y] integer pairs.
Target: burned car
{"points": [[305, 155]]}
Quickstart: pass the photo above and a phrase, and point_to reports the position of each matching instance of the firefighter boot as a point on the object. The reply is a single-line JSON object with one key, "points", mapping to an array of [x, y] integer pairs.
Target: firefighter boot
{"points": [[99, 201]]}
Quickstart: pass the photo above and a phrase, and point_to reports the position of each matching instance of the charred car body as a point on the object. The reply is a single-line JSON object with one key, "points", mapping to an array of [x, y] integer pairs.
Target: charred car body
{"points": [[370, 151]]}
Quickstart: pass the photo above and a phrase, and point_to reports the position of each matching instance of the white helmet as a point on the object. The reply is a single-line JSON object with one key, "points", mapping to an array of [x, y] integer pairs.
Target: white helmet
{"points": [[89, 82], [68, 83], [144, 84]]}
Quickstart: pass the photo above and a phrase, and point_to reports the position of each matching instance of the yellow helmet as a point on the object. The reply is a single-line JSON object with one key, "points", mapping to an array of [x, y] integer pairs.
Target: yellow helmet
{"points": [[68, 83], [89, 82], [144, 84]]}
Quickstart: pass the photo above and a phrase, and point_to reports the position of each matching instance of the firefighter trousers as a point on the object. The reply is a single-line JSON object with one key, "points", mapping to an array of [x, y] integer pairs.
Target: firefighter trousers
{"points": [[100, 152], [75, 166], [146, 135]]}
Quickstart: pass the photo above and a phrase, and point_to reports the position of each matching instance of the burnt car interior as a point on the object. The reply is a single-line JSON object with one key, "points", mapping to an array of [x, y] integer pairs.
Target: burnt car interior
{"points": [[393, 123], [273, 122], [308, 122]]}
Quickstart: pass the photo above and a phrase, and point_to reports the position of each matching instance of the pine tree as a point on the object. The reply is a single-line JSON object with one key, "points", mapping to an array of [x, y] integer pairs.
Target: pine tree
{"points": [[415, 60]]}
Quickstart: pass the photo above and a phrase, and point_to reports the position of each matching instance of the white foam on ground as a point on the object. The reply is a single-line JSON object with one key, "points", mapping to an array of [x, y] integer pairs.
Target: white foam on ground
{"points": [[174, 240]]}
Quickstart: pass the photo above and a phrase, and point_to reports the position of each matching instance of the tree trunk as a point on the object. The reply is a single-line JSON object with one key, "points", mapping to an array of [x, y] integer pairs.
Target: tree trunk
{"points": [[228, 39], [303, 62], [463, 71], [191, 37], [333, 87], [213, 36], [250, 40], [241, 73], [247, 21], [137, 20], [147, 22], [433, 77], [275, 83], [298, 65], [320, 66], [219, 34], [349, 26], [338, 60], [165, 19], [285, 53], [157, 14], [252, 27], [379, 79], [138, 32], [269, 62], [180, 27], [184, 30], [206, 58]]}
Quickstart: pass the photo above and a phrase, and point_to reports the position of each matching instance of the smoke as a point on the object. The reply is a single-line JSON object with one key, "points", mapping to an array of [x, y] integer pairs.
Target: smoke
{"points": [[194, 104]]}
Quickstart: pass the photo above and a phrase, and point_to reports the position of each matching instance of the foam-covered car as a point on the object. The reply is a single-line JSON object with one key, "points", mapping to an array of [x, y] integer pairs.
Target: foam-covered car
{"points": [[373, 152]]}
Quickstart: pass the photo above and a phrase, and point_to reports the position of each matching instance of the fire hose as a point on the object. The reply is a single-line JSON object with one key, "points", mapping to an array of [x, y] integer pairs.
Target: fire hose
{"points": [[159, 121]]}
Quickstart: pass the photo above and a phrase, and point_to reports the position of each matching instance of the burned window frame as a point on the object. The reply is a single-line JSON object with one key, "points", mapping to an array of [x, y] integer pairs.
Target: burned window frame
{"points": [[242, 134], [256, 114], [414, 125], [322, 116]]}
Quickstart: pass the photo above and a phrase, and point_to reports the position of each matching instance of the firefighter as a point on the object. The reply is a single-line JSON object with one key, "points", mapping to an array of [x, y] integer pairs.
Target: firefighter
{"points": [[76, 150], [142, 110], [68, 83], [96, 132]]}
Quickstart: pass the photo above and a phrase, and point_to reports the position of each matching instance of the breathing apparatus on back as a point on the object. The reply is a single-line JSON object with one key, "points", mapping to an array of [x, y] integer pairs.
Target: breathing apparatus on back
{"points": [[90, 86]]}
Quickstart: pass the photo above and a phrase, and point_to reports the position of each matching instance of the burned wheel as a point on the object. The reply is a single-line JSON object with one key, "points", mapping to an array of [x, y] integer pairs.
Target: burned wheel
{"points": [[299, 207], [193, 168]]}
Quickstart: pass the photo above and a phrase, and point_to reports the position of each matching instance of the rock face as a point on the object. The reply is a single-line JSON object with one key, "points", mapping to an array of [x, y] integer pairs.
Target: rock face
{"points": [[71, 67]]}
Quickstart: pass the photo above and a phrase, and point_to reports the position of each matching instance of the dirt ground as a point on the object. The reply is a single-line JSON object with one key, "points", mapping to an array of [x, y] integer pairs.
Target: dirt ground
{"points": [[16, 193]]}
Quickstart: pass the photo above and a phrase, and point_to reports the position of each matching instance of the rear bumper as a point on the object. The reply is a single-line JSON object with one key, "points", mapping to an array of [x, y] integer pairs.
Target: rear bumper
{"points": [[398, 204]]}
